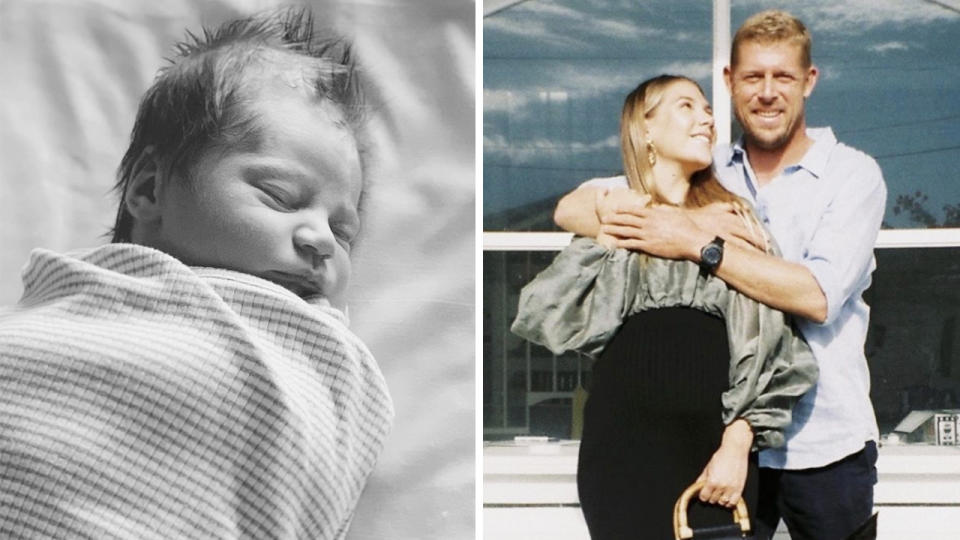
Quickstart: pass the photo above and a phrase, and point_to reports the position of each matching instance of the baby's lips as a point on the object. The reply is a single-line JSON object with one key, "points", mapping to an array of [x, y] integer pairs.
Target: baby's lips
{"points": [[301, 285]]}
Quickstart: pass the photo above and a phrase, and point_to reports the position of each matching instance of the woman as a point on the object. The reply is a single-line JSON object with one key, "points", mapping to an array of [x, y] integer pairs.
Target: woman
{"points": [[692, 375]]}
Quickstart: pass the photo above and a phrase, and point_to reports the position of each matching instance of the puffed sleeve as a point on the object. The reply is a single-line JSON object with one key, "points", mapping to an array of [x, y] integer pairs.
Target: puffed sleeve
{"points": [[580, 300], [771, 367]]}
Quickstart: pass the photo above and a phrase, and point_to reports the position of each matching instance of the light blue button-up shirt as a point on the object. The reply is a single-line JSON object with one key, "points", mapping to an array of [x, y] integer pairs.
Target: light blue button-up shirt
{"points": [[824, 213]]}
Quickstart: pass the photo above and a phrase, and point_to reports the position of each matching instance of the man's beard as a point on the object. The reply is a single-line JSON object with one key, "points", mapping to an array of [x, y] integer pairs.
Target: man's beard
{"points": [[767, 143]]}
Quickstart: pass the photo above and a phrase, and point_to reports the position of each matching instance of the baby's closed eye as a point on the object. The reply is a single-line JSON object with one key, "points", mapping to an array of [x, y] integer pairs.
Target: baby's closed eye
{"points": [[279, 195], [345, 233]]}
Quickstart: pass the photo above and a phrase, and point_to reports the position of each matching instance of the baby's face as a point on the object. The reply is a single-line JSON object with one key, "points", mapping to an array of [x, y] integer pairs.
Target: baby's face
{"points": [[285, 211]]}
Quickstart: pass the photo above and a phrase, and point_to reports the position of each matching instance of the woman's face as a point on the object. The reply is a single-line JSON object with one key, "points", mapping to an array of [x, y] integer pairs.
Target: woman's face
{"points": [[681, 127]]}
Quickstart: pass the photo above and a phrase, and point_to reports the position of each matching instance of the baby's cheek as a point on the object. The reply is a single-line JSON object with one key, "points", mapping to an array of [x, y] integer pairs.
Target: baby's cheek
{"points": [[342, 270]]}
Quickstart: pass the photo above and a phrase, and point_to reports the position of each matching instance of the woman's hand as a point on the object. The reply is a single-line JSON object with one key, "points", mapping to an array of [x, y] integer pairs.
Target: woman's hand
{"points": [[722, 219], [609, 203], [726, 472]]}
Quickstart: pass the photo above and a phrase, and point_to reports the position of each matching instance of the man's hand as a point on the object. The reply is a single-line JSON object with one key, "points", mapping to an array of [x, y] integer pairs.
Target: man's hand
{"points": [[671, 232], [726, 473], [660, 230], [678, 233]]}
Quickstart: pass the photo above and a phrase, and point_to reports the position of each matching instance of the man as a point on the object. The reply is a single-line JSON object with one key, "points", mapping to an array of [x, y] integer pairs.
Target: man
{"points": [[823, 202]]}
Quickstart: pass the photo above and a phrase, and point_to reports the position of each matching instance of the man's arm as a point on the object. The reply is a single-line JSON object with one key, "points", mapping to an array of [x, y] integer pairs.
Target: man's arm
{"points": [[676, 233], [577, 211], [837, 259], [671, 232], [582, 210], [780, 284]]}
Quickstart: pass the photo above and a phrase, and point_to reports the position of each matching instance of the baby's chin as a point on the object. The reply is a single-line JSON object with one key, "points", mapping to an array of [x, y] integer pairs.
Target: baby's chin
{"points": [[311, 292], [317, 298]]}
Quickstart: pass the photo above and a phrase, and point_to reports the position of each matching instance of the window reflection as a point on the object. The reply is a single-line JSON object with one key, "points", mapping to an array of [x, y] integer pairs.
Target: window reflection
{"points": [[555, 75], [912, 346], [913, 349], [526, 389]]}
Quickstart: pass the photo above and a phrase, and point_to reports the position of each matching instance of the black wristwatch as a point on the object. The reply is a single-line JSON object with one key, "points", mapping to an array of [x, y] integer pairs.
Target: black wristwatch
{"points": [[711, 255]]}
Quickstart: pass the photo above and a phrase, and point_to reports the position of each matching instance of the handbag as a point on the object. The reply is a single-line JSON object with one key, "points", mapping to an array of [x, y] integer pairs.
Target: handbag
{"points": [[738, 530]]}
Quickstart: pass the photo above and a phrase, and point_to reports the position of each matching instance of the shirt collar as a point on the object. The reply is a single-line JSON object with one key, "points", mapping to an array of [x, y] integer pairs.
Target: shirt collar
{"points": [[815, 160]]}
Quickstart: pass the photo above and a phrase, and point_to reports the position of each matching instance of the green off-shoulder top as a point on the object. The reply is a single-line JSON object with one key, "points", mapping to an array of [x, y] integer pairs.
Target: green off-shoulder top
{"points": [[581, 299]]}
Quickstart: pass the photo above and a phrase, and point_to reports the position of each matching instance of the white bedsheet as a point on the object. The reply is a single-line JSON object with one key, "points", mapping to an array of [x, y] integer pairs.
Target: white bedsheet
{"points": [[73, 72]]}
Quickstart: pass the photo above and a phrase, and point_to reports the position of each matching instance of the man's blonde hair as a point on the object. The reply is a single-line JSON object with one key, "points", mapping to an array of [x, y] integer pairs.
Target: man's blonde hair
{"points": [[772, 26]]}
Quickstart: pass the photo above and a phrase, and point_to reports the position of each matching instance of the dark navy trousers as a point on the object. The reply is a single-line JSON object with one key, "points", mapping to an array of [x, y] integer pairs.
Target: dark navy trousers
{"points": [[823, 503]]}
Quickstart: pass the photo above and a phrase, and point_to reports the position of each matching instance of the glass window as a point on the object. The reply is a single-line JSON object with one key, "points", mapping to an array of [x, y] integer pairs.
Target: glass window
{"points": [[526, 389], [555, 75], [913, 348], [889, 86]]}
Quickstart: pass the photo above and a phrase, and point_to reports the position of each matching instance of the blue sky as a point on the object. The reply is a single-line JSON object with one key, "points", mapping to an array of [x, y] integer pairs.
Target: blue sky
{"points": [[556, 71]]}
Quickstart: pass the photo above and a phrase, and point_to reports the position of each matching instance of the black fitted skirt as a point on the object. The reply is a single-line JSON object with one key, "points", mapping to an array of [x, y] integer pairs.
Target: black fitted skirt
{"points": [[652, 422]]}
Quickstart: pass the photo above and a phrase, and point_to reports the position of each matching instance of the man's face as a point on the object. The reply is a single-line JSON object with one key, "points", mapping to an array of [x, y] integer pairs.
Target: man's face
{"points": [[285, 211], [768, 87]]}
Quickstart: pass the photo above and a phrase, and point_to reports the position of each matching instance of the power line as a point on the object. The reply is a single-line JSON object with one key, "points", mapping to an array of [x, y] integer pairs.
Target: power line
{"points": [[607, 170], [944, 6], [546, 168], [919, 152], [900, 124], [595, 58], [491, 7], [551, 147]]}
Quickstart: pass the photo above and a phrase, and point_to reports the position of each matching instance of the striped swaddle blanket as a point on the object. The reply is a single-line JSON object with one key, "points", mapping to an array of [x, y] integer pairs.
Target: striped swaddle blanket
{"points": [[141, 398]]}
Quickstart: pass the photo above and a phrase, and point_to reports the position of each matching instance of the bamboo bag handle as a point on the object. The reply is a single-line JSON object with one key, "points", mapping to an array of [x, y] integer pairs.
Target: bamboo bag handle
{"points": [[681, 526]]}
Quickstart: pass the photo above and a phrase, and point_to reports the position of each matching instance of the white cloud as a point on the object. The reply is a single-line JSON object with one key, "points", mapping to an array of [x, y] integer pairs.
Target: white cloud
{"points": [[504, 100], [552, 23], [596, 80], [536, 30], [622, 29], [694, 70], [889, 46], [586, 22], [535, 150], [855, 16], [830, 72], [858, 16], [547, 8], [584, 82]]}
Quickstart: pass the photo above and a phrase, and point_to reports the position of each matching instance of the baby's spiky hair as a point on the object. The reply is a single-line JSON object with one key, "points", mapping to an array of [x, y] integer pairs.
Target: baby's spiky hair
{"points": [[196, 103]]}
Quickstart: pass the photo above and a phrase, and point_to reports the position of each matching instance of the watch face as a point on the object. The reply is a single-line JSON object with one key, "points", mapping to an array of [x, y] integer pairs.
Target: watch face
{"points": [[711, 255]]}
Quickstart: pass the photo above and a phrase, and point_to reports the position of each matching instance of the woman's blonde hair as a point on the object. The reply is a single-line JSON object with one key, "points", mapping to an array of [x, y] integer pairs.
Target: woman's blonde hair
{"points": [[635, 146]]}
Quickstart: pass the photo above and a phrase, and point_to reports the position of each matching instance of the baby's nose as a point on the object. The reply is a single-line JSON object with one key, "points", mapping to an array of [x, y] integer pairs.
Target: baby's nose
{"points": [[316, 242]]}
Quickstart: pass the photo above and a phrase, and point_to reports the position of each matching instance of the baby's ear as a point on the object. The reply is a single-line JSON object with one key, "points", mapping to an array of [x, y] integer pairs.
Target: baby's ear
{"points": [[141, 197]]}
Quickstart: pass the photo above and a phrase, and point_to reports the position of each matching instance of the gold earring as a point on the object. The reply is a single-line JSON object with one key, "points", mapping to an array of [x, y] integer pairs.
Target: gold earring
{"points": [[651, 153]]}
